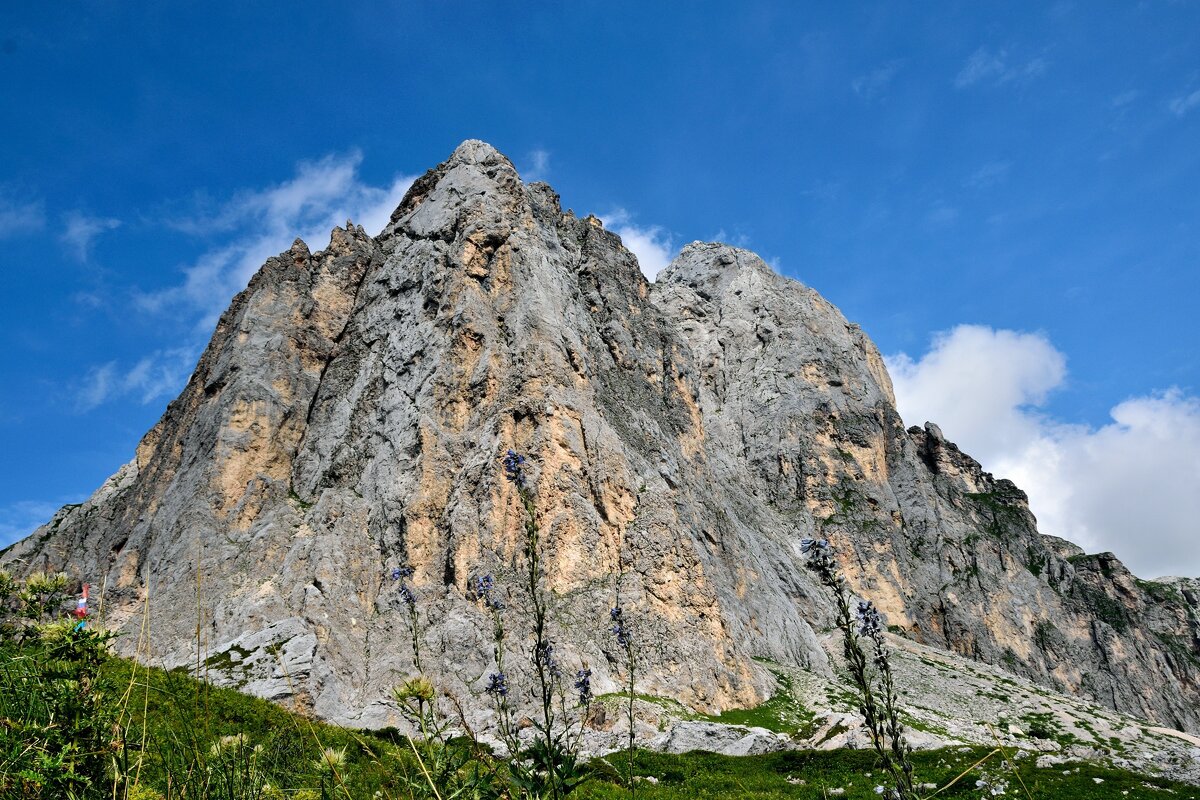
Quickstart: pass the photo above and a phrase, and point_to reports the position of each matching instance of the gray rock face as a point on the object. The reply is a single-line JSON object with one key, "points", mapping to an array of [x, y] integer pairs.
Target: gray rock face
{"points": [[351, 408]]}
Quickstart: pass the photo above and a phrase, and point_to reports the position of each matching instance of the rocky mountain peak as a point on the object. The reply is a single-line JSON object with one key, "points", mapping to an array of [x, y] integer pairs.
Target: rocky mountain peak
{"points": [[348, 415], [474, 151], [710, 267]]}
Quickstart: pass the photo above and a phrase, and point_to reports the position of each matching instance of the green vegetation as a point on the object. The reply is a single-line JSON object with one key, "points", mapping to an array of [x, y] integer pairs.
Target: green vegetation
{"points": [[301, 503], [1104, 607], [1036, 562], [55, 718], [1046, 726], [783, 713], [812, 775], [220, 743], [1000, 517], [1180, 646], [1045, 635], [1161, 592]]}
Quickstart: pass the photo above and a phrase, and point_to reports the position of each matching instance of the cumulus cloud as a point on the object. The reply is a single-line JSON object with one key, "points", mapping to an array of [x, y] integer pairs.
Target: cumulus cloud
{"points": [[256, 224], [1131, 486], [653, 246], [19, 214], [996, 68], [160, 374], [80, 232]]}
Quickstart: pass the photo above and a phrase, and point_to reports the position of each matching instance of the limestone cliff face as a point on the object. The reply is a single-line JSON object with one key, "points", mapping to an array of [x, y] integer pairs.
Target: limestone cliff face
{"points": [[349, 414]]}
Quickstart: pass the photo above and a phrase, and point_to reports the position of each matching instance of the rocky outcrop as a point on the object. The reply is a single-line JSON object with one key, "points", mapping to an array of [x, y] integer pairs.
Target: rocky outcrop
{"points": [[349, 413]]}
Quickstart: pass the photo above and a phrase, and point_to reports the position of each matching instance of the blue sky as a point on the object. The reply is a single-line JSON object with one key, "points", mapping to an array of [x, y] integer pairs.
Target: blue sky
{"points": [[1001, 191]]}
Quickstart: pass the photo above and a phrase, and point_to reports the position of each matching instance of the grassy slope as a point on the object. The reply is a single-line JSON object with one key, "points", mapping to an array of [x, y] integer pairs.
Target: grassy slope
{"points": [[183, 716]]}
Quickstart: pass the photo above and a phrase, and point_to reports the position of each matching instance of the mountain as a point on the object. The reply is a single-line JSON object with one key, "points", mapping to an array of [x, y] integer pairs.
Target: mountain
{"points": [[350, 411]]}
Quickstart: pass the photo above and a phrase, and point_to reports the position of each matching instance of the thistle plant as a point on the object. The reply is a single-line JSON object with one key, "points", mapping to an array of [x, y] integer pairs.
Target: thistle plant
{"points": [[235, 768], [877, 693]]}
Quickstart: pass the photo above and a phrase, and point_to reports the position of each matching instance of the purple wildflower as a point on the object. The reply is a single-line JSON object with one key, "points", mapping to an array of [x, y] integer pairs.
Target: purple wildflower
{"points": [[497, 685], [619, 627], [820, 559], [583, 685], [484, 590], [545, 655], [514, 468], [870, 623]]}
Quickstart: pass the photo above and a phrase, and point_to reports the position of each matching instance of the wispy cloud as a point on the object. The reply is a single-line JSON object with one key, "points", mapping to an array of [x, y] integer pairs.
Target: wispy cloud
{"points": [[80, 232], [538, 166], [653, 245], [876, 81], [162, 373], [23, 517], [735, 239], [989, 174], [1185, 103], [256, 224], [19, 214], [997, 68], [1130, 486], [1124, 98]]}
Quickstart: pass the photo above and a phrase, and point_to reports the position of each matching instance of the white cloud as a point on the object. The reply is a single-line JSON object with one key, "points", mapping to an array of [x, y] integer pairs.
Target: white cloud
{"points": [[19, 519], [256, 224], [876, 81], [161, 373], [19, 215], [97, 387], [243, 232], [986, 66], [653, 246], [539, 166], [1185, 103], [80, 233], [1131, 486]]}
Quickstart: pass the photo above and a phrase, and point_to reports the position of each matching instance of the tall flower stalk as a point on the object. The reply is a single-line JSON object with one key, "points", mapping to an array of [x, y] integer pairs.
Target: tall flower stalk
{"points": [[624, 635], [445, 768], [484, 591], [878, 705], [554, 753], [413, 616]]}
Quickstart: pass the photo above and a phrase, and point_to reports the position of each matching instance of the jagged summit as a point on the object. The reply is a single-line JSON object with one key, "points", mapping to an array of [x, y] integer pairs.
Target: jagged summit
{"points": [[349, 411]]}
